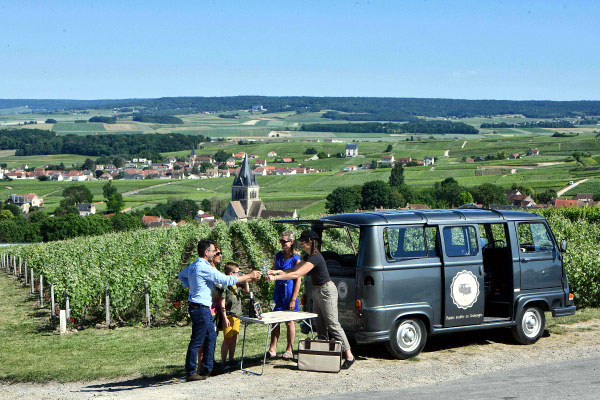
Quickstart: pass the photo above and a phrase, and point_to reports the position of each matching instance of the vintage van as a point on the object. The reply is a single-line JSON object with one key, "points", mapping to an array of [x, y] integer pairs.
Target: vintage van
{"points": [[411, 274]]}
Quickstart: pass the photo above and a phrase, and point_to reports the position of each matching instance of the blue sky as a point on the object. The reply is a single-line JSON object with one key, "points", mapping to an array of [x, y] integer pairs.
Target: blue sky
{"points": [[450, 49]]}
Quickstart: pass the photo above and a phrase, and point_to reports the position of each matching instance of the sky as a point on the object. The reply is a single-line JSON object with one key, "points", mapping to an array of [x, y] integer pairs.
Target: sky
{"points": [[511, 49]]}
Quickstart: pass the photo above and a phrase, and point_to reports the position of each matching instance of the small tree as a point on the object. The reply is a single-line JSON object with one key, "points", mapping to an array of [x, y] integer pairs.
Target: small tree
{"points": [[343, 199], [205, 205], [464, 198], [114, 199], [397, 176], [376, 194], [75, 194]]}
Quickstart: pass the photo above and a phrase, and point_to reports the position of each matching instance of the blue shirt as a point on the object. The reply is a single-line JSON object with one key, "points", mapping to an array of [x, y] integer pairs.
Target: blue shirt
{"points": [[201, 277]]}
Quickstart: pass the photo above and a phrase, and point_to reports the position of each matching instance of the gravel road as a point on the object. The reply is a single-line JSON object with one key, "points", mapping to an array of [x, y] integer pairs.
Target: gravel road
{"points": [[445, 359]]}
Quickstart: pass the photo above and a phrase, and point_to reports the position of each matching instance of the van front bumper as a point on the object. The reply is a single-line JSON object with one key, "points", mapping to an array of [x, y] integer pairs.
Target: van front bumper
{"points": [[371, 337], [562, 312]]}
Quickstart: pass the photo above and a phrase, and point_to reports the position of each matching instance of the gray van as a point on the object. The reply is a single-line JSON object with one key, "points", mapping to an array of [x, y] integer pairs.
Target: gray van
{"points": [[411, 274]]}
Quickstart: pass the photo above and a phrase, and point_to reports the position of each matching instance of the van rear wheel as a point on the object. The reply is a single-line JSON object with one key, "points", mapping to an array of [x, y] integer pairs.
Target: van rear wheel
{"points": [[407, 338], [531, 322]]}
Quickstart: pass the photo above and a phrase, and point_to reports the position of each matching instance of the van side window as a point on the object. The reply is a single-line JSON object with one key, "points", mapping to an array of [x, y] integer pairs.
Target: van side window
{"points": [[460, 241], [405, 242], [534, 237]]}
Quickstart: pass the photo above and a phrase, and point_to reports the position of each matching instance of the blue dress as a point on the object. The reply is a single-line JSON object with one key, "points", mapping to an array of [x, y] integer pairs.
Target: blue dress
{"points": [[284, 289]]}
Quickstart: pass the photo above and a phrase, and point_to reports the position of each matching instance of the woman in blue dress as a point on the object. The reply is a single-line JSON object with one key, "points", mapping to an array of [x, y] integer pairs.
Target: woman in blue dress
{"points": [[285, 295]]}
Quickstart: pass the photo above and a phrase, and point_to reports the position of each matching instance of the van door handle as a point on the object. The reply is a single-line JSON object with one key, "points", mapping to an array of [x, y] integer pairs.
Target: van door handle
{"points": [[523, 259], [480, 270]]}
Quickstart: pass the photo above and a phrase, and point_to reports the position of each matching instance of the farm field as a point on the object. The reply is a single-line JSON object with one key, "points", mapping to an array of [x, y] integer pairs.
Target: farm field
{"points": [[552, 169]]}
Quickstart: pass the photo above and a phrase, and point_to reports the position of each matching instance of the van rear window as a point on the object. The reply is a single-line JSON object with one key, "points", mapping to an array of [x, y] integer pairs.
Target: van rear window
{"points": [[409, 242]]}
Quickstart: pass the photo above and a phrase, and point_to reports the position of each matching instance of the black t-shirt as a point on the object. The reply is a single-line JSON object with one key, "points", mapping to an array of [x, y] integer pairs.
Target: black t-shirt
{"points": [[319, 274]]}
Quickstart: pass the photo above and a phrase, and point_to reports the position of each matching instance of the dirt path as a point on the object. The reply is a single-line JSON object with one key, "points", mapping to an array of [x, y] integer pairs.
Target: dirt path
{"points": [[146, 188], [569, 187], [446, 358]]}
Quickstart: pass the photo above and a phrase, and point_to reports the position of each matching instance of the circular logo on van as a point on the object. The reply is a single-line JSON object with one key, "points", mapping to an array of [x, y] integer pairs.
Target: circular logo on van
{"points": [[342, 290], [464, 289]]}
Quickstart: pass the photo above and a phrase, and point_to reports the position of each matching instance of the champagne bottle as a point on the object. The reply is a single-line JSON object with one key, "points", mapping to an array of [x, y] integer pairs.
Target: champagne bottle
{"points": [[251, 309]]}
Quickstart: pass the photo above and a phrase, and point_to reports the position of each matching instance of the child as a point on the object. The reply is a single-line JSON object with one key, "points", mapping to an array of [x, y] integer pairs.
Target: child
{"points": [[231, 305]]}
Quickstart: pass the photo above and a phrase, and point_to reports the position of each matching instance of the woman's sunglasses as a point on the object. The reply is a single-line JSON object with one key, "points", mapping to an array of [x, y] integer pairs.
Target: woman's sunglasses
{"points": [[284, 241], [218, 253]]}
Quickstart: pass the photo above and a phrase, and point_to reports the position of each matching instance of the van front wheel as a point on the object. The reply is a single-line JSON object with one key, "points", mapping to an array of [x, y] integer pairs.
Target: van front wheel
{"points": [[531, 322], [407, 338]]}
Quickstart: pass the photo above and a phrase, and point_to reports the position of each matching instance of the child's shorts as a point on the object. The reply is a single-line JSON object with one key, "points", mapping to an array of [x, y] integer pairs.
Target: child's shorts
{"points": [[234, 327]]}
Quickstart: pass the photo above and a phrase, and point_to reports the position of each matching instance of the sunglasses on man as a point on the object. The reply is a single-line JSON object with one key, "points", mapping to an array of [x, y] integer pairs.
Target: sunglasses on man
{"points": [[284, 241]]}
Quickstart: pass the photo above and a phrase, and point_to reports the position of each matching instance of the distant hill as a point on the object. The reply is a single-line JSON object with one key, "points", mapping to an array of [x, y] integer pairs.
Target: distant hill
{"points": [[369, 108]]}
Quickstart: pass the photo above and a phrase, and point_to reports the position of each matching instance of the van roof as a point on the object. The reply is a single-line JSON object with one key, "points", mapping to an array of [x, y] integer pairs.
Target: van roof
{"points": [[425, 216]]}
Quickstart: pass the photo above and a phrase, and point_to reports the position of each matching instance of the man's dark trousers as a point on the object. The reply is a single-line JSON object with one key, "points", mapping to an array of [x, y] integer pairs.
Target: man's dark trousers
{"points": [[203, 334]]}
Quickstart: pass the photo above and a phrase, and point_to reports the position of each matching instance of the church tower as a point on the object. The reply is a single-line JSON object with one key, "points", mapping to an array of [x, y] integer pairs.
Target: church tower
{"points": [[245, 188]]}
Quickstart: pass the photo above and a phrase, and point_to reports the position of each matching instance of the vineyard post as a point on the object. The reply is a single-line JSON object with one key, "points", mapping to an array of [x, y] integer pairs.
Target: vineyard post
{"points": [[14, 263], [41, 290], [107, 305], [63, 322], [32, 282], [52, 311], [20, 267], [26, 275], [147, 298], [67, 306]]}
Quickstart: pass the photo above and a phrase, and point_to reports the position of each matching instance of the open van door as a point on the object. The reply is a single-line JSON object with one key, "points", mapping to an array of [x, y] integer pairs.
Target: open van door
{"points": [[464, 299]]}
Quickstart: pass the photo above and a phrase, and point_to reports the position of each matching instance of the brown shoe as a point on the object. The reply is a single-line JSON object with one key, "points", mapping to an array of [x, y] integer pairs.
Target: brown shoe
{"points": [[195, 377]]}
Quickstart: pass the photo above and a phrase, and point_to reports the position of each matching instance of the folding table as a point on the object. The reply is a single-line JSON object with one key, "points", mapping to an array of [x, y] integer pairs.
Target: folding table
{"points": [[270, 319]]}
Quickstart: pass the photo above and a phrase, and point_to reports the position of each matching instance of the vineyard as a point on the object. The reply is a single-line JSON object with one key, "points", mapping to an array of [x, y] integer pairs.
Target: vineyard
{"points": [[123, 264]]}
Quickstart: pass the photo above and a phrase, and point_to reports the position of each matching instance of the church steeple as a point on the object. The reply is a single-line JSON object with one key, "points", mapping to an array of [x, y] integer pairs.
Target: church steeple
{"points": [[245, 188], [245, 177]]}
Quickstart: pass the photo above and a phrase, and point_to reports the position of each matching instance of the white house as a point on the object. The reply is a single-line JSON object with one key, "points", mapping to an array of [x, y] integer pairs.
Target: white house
{"points": [[86, 209], [387, 159], [351, 150], [429, 160]]}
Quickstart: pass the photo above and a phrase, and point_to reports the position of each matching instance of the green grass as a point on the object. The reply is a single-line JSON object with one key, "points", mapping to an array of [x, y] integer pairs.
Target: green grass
{"points": [[78, 128], [32, 351]]}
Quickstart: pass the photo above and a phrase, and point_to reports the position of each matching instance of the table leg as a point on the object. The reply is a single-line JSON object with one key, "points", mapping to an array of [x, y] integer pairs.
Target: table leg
{"points": [[269, 330], [243, 346]]}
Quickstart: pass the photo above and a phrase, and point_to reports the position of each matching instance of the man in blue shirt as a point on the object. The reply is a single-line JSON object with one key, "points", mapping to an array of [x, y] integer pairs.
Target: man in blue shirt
{"points": [[200, 276]]}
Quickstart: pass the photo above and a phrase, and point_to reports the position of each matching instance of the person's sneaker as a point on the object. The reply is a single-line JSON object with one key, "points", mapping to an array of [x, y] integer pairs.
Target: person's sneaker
{"points": [[225, 367], [348, 363], [195, 377]]}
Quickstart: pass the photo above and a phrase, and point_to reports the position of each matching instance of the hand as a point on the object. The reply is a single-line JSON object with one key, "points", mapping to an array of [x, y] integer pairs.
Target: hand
{"points": [[293, 305], [270, 278], [274, 272], [226, 322], [255, 275]]}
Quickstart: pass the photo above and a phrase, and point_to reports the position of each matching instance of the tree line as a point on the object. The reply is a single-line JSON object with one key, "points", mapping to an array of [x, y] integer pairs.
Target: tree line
{"points": [[376, 106], [537, 124], [158, 119], [421, 126], [36, 141], [396, 193]]}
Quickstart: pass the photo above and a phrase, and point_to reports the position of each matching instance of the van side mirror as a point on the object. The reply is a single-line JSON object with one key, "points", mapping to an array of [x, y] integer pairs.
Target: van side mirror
{"points": [[563, 245]]}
